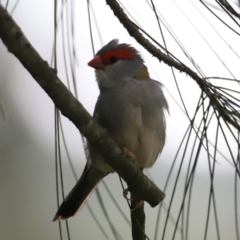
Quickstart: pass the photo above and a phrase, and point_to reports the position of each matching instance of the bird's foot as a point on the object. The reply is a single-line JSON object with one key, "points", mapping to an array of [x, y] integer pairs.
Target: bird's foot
{"points": [[128, 153], [125, 193], [137, 202]]}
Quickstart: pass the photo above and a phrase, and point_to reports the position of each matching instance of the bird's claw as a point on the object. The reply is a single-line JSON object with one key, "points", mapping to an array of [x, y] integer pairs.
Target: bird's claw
{"points": [[128, 153], [138, 202], [125, 193]]}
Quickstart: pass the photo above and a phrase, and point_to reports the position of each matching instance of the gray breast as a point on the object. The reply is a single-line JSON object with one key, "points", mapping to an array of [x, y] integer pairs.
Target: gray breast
{"points": [[134, 117]]}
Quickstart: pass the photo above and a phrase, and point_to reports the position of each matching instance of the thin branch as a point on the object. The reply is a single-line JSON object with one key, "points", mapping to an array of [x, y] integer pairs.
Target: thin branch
{"points": [[47, 78], [229, 8], [133, 30], [218, 17]]}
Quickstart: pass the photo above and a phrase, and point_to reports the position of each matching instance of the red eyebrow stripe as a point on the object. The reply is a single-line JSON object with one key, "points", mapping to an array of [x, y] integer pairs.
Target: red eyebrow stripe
{"points": [[120, 54]]}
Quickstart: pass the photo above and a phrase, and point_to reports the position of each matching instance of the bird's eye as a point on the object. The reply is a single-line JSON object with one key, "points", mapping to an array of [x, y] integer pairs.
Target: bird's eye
{"points": [[113, 59]]}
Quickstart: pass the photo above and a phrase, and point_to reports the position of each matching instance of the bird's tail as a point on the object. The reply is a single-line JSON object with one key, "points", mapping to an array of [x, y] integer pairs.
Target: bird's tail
{"points": [[78, 196]]}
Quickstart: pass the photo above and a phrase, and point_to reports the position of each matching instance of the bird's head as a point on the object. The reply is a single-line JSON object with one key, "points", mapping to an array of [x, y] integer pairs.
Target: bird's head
{"points": [[115, 63]]}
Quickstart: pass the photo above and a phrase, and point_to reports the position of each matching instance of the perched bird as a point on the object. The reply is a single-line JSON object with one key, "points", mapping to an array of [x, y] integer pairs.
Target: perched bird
{"points": [[131, 106]]}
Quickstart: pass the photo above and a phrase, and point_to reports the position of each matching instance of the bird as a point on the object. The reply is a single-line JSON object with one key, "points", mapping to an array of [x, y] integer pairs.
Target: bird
{"points": [[132, 107]]}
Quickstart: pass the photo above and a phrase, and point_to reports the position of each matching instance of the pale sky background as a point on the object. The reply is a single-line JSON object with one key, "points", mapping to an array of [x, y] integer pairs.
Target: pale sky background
{"points": [[27, 170]]}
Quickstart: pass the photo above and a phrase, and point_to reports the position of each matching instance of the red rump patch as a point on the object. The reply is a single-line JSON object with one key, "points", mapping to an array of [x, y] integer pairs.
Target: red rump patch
{"points": [[123, 53]]}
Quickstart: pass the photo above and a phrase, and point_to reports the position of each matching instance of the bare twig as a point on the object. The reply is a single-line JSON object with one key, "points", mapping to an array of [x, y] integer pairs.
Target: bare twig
{"points": [[205, 86], [229, 8], [47, 78]]}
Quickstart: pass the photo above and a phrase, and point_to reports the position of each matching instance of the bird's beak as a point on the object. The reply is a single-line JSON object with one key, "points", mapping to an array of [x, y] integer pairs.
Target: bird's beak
{"points": [[96, 63]]}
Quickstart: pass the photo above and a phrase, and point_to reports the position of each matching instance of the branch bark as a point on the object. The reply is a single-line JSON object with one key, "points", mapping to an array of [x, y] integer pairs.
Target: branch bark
{"points": [[138, 219], [205, 86], [47, 78], [229, 8]]}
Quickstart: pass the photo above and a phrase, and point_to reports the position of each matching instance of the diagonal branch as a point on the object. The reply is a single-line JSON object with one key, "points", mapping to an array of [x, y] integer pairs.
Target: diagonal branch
{"points": [[229, 8], [205, 86], [47, 78]]}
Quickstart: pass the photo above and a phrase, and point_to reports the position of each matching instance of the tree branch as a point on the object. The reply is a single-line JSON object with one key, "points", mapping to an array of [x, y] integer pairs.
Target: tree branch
{"points": [[229, 8], [205, 86], [47, 78], [138, 219]]}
